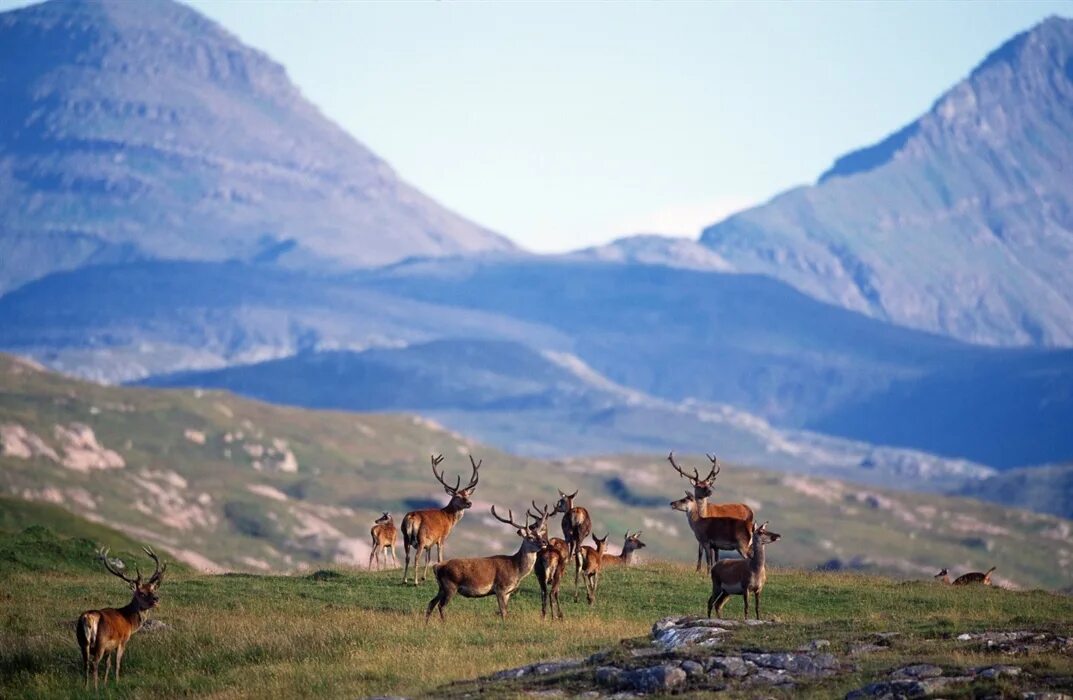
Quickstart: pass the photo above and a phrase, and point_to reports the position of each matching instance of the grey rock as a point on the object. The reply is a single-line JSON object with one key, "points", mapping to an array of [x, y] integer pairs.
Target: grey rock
{"points": [[730, 666], [769, 676], [1045, 695], [692, 668], [816, 645], [656, 678], [609, 676], [152, 626], [795, 663], [917, 671], [1001, 671]]}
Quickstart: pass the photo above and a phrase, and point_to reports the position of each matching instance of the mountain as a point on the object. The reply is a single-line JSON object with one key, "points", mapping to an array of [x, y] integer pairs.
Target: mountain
{"points": [[1046, 489], [228, 483], [145, 131], [653, 249], [551, 404], [960, 222]]}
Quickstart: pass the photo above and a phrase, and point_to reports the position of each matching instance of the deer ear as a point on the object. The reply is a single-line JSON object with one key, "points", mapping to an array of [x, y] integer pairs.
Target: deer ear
{"points": [[573, 495]]}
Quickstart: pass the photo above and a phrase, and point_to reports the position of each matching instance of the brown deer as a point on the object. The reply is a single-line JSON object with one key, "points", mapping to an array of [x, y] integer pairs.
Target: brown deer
{"points": [[383, 533], [730, 534], [550, 564], [589, 562], [630, 545], [702, 491], [967, 579], [577, 525], [498, 575], [744, 576], [423, 528], [100, 632]]}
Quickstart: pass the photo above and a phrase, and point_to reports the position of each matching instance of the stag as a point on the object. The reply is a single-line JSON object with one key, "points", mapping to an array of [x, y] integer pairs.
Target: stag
{"points": [[972, 577], [702, 491], [423, 528], [742, 576], [577, 525], [100, 632], [498, 575], [383, 533], [715, 533]]}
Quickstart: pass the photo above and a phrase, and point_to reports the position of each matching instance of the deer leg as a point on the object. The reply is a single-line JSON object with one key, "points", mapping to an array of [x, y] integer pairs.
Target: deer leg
{"points": [[118, 661], [720, 603], [555, 597], [85, 662], [406, 571], [432, 604], [756, 602], [701, 553], [428, 561], [394, 557], [502, 598], [96, 669], [745, 597], [439, 552], [107, 667]]}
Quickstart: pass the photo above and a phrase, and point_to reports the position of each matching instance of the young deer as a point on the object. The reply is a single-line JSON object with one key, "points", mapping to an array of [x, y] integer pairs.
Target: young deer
{"points": [[716, 533], [550, 564], [383, 533], [499, 575], [423, 528], [967, 579], [741, 576], [577, 525], [630, 545], [589, 561], [702, 491], [108, 630]]}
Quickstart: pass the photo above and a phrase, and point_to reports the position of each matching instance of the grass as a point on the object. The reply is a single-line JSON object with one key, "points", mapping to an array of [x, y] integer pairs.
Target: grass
{"points": [[359, 633]]}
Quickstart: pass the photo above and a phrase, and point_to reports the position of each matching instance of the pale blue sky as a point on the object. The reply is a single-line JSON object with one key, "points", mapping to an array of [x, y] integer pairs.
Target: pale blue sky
{"points": [[567, 124]]}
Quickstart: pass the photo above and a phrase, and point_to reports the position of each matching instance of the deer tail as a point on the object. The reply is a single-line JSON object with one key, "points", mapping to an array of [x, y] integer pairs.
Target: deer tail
{"points": [[410, 526], [990, 570], [86, 631]]}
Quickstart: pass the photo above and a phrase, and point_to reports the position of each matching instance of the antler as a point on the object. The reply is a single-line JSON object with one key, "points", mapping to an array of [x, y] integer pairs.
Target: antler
{"points": [[509, 520], [692, 479], [540, 518], [475, 477], [715, 467], [436, 459], [158, 574], [103, 554]]}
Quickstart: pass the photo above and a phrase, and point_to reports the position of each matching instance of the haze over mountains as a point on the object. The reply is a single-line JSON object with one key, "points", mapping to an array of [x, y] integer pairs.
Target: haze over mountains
{"points": [[176, 213], [142, 130]]}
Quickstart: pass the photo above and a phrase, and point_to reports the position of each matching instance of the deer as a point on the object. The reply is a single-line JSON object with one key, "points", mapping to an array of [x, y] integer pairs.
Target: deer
{"points": [[550, 564], [630, 544], [702, 490], [589, 562], [423, 528], [383, 533], [107, 631], [577, 525], [716, 533], [967, 579], [742, 576], [498, 575]]}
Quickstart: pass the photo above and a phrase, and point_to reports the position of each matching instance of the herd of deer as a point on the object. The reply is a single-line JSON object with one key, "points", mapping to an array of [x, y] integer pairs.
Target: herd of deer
{"points": [[727, 526]]}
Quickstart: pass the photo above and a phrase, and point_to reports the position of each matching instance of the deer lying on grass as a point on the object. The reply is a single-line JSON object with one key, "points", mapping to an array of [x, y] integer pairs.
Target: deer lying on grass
{"points": [[630, 544], [383, 533], [423, 528], [499, 575], [100, 632], [741, 576], [702, 491], [577, 525], [550, 564], [967, 579], [731, 534]]}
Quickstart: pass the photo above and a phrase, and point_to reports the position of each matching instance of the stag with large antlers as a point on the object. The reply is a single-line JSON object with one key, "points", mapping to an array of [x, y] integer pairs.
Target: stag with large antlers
{"points": [[715, 533], [423, 528], [100, 632], [498, 575], [702, 491]]}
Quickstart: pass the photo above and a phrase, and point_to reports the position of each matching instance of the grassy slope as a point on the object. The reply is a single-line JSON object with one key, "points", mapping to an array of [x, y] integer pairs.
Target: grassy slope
{"points": [[363, 633], [352, 466]]}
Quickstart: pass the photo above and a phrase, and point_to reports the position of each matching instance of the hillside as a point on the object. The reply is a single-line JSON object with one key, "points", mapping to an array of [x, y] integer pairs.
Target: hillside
{"points": [[961, 222], [253, 636], [1046, 489], [224, 482], [143, 130]]}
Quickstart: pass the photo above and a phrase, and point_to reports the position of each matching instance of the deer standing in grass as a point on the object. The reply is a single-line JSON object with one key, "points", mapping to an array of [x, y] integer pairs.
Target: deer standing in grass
{"points": [[100, 632], [593, 561], [550, 564], [744, 576], [577, 525], [498, 575], [423, 528], [702, 491], [972, 577], [715, 533], [383, 533]]}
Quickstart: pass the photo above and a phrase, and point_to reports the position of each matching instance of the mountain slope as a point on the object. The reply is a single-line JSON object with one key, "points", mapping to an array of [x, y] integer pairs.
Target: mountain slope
{"points": [[144, 130], [225, 482], [960, 223], [1046, 489]]}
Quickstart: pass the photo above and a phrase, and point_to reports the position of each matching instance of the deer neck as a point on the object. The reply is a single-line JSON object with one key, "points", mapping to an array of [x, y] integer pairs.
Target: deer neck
{"points": [[524, 561], [453, 512], [133, 614], [756, 557], [702, 506]]}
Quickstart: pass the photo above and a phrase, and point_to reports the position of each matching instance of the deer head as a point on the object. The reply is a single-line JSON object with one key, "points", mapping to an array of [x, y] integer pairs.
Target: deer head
{"points": [[632, 542], [702, 487], [762, 534], [145, 596], [385, 518], [566, 502], [601, 543], [686, 505], [534, 537], [459, 496]]}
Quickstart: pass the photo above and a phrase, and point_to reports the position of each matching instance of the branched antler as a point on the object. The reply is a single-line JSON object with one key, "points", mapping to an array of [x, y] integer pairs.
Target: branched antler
{"points": [[103, 555], [475, 477], [715, 467], [692, 479], [158, 574], [509, 519], [436, 459]]}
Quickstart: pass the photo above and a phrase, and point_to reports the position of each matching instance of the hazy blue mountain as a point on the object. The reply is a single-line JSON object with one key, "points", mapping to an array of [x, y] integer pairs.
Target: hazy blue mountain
{"points": [[552, 404], [142, 130], [1046, 489], [960, 222], [654, 249]]}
